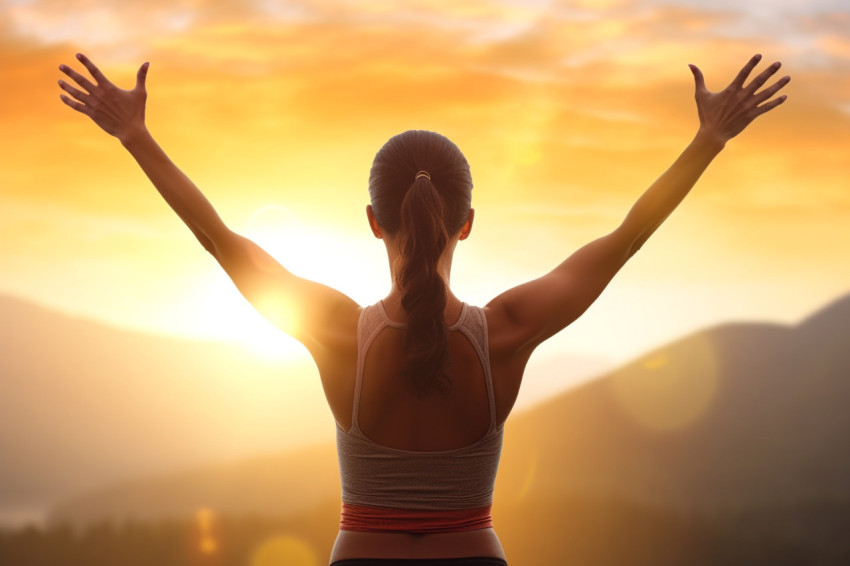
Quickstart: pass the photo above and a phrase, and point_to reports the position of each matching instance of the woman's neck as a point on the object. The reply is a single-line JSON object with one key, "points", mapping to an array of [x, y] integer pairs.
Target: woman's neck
{"points": [[392, 305]]}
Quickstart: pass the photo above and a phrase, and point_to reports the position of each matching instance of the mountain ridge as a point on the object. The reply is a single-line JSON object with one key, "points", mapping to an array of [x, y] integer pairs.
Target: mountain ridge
{"points": [[74, 393]]}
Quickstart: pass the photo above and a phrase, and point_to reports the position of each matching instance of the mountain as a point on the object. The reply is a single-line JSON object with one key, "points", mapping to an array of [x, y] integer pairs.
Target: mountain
{"points": [[734, 417], [83, 404], [280, 485]]}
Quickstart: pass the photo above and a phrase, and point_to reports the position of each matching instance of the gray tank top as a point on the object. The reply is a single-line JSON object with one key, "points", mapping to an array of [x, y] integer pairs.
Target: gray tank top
{"points": [[374, 475]]}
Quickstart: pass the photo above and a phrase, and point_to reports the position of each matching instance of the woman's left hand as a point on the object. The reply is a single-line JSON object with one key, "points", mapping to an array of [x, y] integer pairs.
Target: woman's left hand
{"points": [[724, 114], [117, 111]]}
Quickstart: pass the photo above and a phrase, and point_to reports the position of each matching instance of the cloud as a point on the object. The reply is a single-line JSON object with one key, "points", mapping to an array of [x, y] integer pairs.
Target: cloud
{"points": [[592, 77]]}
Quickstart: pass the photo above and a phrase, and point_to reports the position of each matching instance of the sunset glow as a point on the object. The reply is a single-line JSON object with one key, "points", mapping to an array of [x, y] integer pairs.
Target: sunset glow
{"points": [[565, 110]]}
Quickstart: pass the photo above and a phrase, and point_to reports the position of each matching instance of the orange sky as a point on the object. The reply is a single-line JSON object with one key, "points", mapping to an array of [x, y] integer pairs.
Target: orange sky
{"points": [[565, 110]]}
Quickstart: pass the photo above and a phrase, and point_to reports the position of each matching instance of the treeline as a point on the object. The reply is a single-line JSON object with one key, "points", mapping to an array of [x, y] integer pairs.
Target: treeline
{"points": [[206, 539], [594, 532], [586, 532]]}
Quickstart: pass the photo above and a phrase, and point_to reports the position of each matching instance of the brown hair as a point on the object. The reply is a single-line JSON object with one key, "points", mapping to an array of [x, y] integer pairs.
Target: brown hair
{"points": [[423, 211]]}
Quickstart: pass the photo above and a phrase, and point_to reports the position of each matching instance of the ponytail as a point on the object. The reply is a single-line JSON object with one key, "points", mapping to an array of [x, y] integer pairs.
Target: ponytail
{"points": [[423, 238], [422, 216]]}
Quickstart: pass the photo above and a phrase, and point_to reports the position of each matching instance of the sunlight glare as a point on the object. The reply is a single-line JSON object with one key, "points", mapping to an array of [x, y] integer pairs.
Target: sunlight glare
{"points": [[274, 225], [321, 253], [239, 322]]}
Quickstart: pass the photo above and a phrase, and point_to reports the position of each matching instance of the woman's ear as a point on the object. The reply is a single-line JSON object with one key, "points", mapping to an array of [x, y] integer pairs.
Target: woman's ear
{"points": [[373, 223], [467, 226]]}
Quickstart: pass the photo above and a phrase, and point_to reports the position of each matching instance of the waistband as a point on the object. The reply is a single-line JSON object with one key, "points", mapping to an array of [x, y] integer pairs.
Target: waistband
{"points": [[384, 520], [466, 561]]}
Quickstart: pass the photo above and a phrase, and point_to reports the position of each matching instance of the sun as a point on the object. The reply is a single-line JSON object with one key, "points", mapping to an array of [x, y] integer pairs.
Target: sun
{"points": [[351, 264], [350, 261], [228, 316]]}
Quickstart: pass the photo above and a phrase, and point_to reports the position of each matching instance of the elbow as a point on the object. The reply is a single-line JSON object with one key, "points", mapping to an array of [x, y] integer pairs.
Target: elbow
{"points": [[205, 240], [208, 245], [634, 249], [630, 238], [639, 242]]}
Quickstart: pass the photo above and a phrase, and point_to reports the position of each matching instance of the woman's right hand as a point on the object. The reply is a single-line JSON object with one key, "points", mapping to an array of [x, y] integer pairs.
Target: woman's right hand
{"points": [[723, 115], [117, 111]]}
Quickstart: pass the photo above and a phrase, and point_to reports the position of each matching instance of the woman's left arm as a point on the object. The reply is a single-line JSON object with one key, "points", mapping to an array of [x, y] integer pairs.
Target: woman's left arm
{"points": [[542, 307], [722, 116]]}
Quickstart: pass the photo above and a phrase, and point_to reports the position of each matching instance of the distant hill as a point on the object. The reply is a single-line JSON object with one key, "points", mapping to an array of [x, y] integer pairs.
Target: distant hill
{"points": [[277, 486], [83, 404], [734, 416], [737, 416]]}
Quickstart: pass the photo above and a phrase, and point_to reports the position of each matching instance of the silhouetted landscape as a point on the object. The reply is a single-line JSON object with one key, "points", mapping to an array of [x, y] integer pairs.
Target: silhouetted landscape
{"points": [[727, 446], [104, 404]]}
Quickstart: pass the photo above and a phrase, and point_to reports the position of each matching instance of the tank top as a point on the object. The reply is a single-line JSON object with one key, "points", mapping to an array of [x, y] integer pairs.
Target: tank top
{"points": [[390, 489]]}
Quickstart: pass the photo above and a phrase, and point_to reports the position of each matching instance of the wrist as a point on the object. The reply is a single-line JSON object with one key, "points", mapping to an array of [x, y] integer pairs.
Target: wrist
{"points": [[710, 140], [133, 136]]}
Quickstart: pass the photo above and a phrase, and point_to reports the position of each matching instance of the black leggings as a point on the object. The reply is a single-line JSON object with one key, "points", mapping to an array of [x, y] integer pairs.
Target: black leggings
{"points": [[470, 561]]}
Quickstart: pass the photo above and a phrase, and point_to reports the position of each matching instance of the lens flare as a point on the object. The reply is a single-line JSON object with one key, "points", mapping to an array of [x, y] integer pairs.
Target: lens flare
{"points": [[204, 521], [528, 480], [669, 390], [284, 550]]}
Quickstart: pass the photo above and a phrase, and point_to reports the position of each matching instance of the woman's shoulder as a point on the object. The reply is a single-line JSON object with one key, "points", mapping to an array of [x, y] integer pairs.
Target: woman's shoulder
{"points": [[509, 352], [503, 332]]}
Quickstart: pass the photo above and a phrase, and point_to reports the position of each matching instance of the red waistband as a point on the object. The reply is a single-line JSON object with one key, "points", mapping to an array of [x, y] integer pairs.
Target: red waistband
{"points": [[384, 520]]}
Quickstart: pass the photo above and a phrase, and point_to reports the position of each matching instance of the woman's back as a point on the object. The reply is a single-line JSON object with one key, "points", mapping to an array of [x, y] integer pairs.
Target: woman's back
{"points": [[424, 469], [414, 467], [392, 415]]}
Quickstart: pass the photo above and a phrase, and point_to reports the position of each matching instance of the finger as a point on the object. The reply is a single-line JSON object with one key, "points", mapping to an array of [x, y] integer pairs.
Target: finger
{"points": [[757, 82], [78, 78], [767, 106], [699, 80], [79, 107], [141, 76], [745, 72], [772, 89], [78, 94], [95, 72]]}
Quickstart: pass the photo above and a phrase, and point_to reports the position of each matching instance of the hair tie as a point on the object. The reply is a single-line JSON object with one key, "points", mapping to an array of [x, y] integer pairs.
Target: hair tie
{"points": [[423, 174]]}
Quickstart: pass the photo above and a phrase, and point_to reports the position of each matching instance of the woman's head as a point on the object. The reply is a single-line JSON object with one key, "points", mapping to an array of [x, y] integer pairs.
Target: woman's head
{"points": [[394, 172], [421, 192]]}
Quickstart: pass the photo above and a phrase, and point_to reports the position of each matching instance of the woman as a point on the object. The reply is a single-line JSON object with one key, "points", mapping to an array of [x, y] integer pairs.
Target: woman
{"points": [[420, 383]]}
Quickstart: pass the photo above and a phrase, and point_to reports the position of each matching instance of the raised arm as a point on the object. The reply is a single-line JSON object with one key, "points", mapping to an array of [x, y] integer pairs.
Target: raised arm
{"points": [[300, 307], [536, 310]]}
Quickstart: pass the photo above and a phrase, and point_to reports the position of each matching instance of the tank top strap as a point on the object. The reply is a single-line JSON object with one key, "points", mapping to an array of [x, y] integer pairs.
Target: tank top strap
{"points": [[372, 320], [473, 324]]}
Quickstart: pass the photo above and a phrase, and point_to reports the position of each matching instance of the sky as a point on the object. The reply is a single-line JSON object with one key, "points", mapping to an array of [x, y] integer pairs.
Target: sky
{"points": [[566, 112]]}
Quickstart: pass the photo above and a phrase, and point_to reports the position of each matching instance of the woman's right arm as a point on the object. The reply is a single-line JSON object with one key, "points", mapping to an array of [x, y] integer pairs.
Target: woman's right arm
{"points": [[534, 311], [302, 308]]}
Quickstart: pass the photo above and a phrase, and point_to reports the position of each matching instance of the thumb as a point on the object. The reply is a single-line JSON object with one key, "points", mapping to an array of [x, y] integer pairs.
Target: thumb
{"points": [[699, 80], [141, 76]]}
